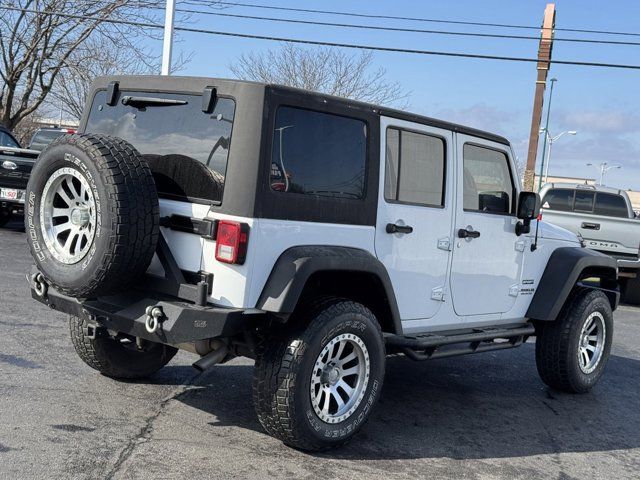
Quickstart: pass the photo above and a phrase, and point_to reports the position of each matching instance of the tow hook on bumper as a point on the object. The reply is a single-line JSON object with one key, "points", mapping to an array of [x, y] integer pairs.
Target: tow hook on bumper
{"points": [[155, 315], [39, 284]]}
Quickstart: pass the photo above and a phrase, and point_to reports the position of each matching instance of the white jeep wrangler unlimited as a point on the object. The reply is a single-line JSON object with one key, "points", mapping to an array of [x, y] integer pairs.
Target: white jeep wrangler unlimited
{"points": [[311, 233]]}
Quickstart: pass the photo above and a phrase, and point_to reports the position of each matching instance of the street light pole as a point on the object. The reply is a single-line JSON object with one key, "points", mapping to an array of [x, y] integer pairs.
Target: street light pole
{"points": [[167, 44], [553, 140], [604, 168], [546, 129]]}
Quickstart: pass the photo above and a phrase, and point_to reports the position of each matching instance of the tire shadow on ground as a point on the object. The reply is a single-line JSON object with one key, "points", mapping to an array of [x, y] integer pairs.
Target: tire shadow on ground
{"points": [[490, 406]]}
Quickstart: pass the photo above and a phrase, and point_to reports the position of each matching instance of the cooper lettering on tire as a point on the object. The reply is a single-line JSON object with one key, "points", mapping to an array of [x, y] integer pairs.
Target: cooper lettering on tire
{"points": [[92, 214]]}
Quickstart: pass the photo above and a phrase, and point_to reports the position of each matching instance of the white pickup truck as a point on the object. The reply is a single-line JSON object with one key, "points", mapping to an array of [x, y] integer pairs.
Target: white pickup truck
{"points": [[605, 219]]}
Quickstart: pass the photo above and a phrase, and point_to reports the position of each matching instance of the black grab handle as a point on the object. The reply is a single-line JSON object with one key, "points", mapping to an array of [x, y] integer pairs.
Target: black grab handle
{"points": [[393, 228]]}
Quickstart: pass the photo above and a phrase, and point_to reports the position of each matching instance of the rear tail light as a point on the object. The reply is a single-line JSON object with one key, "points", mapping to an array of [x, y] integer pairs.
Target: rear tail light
{"points": [[231, 242]]}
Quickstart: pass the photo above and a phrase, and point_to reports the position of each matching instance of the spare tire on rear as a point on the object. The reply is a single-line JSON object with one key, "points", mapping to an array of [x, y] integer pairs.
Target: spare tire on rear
{"points": [[91, 214]]}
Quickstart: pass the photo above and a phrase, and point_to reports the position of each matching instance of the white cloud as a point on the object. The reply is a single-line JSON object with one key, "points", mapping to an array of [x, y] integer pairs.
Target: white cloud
{"points": [[600, 121]]}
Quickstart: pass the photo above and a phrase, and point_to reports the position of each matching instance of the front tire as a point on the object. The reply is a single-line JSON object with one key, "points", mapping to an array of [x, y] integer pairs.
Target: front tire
{"points": [[572, 351], [117, 358], [314, 386]]}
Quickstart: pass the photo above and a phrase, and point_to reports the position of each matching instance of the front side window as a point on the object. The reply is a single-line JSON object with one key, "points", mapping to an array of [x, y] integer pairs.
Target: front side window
{"points": [[317, 153], [487, 183], [611, 205], [414, 168], [186, 148]]}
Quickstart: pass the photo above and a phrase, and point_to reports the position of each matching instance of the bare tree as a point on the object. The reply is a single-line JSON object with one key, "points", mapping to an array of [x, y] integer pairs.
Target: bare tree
{"points": [[42, 38], [326, 70], [97, 57]]}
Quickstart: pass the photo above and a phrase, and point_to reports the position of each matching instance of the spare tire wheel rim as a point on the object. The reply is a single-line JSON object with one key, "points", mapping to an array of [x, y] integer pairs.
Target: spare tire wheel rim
{"points": [[340, 377], [592, 342], [68, 215]]}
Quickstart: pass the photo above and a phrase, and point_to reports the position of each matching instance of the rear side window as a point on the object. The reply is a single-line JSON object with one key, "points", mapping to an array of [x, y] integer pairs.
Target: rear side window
{"points": [[487, 183], [186, 148], [319, 154], [414, 168], [558, 199], [611, 205]]}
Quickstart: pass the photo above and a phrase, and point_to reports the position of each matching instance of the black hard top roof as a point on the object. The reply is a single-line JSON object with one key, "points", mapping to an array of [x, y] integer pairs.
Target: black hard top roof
{"points": [[180, 83]]}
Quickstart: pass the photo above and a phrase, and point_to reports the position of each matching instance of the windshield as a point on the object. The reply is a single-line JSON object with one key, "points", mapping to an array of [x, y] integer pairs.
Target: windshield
{"points": [[186, 148]]}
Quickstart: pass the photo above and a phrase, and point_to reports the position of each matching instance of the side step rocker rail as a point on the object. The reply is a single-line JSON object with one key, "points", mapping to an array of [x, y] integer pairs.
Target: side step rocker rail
{"points": [[427, 347]]}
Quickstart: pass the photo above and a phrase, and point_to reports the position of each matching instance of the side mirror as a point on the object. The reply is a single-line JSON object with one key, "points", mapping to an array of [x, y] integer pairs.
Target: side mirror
{"points": [[527, 210]]}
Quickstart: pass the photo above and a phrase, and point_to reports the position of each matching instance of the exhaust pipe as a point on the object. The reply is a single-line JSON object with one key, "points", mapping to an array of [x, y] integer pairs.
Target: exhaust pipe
{"points": [[212, 358]]}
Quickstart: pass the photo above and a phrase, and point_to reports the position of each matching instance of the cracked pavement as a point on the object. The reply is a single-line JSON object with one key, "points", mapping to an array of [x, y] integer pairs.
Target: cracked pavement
{"points": [[478, 417]]}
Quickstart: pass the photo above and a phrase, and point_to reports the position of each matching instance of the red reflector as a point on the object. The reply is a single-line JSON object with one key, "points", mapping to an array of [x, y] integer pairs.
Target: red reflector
{"points": [[539, 217], [231, 242]]}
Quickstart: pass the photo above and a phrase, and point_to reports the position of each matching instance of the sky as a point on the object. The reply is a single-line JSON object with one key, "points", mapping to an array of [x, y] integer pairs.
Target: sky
{"points": [[602, 104]]}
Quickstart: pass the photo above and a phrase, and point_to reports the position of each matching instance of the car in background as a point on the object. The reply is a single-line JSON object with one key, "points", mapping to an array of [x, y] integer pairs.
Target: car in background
{"points": [[15, 168], [44, 136], [605, 219]]}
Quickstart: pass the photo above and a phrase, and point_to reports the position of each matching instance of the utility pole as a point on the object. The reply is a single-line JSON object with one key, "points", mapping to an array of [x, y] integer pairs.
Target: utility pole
{"points": [[544, 63], [546, 135], [167, 44]]}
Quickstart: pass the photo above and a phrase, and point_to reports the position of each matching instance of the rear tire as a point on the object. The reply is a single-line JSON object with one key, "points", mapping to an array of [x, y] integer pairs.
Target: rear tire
{"points": [[300, 369], [116, 359], [572, 351]]}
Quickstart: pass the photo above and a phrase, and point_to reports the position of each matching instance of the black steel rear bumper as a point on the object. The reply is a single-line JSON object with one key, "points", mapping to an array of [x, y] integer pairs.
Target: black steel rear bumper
{"points": [[127, 313]]}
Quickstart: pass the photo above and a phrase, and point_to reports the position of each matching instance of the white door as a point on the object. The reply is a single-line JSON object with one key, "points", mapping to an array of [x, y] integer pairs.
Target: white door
{"points": [[487, 257], [414, 214]]}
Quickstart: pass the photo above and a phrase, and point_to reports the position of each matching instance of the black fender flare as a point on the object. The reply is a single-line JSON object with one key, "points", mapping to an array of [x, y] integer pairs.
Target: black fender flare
{"points": [[563, 271], [295, 265]]}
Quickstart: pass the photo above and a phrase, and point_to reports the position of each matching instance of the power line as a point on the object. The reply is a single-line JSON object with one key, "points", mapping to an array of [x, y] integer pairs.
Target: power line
{"points": [[399, 29], [413, 19], [328, 44]]}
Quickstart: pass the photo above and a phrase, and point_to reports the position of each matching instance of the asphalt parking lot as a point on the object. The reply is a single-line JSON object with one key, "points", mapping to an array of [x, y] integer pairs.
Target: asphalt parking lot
{"points": [[486, 416]]}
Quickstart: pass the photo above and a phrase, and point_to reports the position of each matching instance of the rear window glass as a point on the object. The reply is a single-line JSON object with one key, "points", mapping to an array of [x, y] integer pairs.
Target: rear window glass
{"points": [[583, 202], [598, 203], [558, 199], [610, 205], [318, 154], [186, 148]]}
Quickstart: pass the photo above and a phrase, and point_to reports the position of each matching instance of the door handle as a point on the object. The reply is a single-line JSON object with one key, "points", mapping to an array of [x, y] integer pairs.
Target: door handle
{"points": [[395, 228], [468, 233], [591, 226]]}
